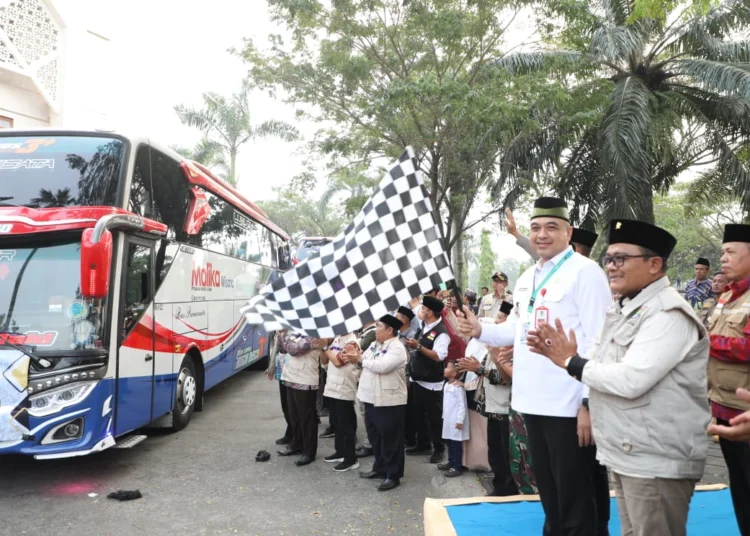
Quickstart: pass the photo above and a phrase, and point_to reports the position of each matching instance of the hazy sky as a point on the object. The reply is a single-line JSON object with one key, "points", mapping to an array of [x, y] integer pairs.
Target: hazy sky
{"points": [[167, 52]]}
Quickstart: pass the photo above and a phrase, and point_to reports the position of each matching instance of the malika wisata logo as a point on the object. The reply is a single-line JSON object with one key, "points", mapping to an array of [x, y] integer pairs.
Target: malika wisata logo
{"points": [[207, 277]]}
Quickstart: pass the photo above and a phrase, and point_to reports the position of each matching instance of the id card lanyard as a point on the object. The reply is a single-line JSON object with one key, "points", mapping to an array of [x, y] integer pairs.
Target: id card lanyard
{"points": [[554, 270]]}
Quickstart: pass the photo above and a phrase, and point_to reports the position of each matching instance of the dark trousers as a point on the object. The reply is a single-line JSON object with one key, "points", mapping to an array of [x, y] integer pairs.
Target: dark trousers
{"points": [[410, 429], [600, 481], [385, 428], [737, 457], [304, 421], [427, 416], [498, 454], [455, 453], [562, 476], [344, 422], [285, 410]]}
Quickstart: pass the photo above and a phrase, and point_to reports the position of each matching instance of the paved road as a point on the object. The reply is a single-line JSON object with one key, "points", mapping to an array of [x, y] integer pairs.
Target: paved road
{"points": [[204, 480]]}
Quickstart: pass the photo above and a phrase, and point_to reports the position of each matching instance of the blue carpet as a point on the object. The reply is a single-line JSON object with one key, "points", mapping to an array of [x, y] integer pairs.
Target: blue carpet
{"points": [[711, 514]]}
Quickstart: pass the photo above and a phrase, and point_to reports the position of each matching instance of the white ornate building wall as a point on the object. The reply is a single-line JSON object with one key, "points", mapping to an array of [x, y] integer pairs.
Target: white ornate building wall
{"points": [[55, 64]]}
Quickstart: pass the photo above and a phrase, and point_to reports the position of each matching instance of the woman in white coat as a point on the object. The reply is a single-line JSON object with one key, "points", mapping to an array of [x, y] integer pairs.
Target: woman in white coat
{"points": [[455, 421]]}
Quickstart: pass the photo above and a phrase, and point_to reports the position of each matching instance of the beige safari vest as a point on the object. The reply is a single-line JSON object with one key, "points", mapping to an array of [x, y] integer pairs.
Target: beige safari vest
{"points": [[662, 433], [341, 382], [729, 320], [302, 369]]}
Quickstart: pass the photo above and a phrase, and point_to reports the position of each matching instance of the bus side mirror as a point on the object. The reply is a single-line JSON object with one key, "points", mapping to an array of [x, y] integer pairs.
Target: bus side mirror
{"points": [[96, 262], [198, 212]]}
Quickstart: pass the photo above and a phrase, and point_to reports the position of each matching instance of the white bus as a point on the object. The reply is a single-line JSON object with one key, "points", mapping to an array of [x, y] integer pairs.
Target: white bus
{"points": [[123, 269]]}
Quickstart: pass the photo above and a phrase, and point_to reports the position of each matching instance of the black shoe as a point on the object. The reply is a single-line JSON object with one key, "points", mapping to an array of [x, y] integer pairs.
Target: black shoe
{"points": [[452, 472], [371, 474], [445, 466], [389, 484], [346, 466], [363, 452], [328, 432], [334, 458], [436, 457], [413, 451], [287, 452], [283, 440], [304, 460]]}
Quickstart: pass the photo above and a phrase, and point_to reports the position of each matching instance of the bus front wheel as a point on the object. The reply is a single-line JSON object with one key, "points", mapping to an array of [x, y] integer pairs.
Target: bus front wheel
{"points": [[186, 394]]}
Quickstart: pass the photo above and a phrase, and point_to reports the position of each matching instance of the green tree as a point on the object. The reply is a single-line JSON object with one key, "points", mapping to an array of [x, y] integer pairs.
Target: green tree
{"points": [[699, 231], [487, 260], [390, 73], [209, 153], [677, 94], [225, 121]]}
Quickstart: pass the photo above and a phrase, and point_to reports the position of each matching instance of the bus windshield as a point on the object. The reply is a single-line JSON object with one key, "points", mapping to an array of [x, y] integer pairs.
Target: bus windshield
{"points": [[42, 312], [59, 171]]}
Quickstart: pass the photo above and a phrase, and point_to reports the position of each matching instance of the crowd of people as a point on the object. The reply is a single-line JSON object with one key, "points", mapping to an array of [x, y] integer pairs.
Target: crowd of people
{"points": [[580, 379]]}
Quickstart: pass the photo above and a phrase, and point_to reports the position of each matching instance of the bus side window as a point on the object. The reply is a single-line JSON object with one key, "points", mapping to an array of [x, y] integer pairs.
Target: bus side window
{"points": [[141, 195], [171, 194], [137, 292]]}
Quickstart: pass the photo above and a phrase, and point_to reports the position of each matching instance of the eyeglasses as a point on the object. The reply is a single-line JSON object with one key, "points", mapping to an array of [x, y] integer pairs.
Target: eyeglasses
{"points": [[619, 260]]}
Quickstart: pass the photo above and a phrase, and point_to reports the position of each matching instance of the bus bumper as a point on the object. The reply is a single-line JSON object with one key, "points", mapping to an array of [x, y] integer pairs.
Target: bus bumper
{"points": [[76, 430]]}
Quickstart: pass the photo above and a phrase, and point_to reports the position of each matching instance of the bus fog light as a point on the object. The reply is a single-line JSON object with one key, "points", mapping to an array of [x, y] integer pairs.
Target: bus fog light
{"points": [[71, 430], [59, 398]]}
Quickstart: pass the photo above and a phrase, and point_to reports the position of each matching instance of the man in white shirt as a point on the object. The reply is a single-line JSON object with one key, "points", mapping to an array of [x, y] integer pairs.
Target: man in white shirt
{"points": [[574, 289], [428, 350]]}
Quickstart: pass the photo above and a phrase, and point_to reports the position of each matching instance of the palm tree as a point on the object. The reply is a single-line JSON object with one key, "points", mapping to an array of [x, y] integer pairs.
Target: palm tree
{"points": [[209, 153], [225, 121], [677, 96], [50, 199]]}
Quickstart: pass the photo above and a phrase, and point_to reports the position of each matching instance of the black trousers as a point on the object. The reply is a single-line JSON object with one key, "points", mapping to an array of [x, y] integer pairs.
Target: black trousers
{"points": [[600, 481], [285, 410], [498, 454], [562, 476], [385, 428], [455, 453], [737, 457], [304, 420], [344, 422], [427, 416], [410, 428]]}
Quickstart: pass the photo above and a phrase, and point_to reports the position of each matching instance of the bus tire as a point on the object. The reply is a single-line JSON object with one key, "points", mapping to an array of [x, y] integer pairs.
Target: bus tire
{"points": [[187, 392]]}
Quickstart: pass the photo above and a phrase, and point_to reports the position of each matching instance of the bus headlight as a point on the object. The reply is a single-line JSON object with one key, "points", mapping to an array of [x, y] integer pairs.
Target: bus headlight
{"points": [[55, 400]]}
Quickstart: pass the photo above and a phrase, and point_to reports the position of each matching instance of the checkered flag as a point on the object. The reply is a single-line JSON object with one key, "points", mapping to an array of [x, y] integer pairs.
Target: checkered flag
{"points": [[391, 252]]}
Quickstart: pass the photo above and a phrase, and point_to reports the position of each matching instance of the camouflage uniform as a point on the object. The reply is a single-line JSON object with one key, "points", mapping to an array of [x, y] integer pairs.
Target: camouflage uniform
{"points": [[520, 457]]}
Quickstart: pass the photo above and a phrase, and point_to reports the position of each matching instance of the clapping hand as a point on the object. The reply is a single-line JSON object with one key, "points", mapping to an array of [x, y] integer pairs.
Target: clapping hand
{"points": [[739, 429], [552, 342], [468, 323], [501, 355], [468, 363]]}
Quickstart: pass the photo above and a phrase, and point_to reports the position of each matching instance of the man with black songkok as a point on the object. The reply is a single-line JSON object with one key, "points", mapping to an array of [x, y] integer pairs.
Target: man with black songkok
{"points": [[382, 389], [699, 289], [647, 380], [583, 241], [428, 351]]}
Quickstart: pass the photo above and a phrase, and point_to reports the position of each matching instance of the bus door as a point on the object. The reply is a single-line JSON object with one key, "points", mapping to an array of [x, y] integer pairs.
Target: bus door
{"points": [[135, 360]]}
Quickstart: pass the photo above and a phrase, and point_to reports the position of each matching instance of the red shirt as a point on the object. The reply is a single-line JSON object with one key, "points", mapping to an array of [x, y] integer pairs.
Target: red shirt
{"points": [[731, 349]]}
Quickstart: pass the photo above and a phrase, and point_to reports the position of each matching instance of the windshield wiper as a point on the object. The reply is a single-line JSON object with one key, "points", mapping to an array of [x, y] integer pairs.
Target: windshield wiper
{"points": [[35, 358]]}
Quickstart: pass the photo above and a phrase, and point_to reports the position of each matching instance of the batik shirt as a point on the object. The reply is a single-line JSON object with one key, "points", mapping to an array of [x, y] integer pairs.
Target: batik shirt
{"points": [[696, 293]]}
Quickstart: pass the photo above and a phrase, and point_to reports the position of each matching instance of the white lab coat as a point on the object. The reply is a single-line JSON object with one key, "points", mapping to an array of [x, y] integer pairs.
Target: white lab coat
{"points": [[455, 411]]}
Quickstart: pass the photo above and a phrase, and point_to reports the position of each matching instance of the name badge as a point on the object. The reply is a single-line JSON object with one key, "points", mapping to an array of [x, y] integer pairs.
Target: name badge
{"points": [[541, 314], [524, 331]]}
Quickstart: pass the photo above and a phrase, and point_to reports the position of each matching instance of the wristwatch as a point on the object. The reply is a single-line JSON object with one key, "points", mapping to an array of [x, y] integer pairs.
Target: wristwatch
{"points": [[325, 348]]}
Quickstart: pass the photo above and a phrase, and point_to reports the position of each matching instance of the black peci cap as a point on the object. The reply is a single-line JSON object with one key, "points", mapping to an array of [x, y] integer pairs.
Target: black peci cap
{"points": [[506, 307], [703, 262], [433, 304], [408, 313], [737, 232], [642, 234], [583, 237], [392, 321], [550, 207]]}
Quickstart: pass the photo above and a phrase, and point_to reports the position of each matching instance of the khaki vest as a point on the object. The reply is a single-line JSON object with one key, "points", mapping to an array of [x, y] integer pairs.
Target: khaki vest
{"points": [[729, 320], [341, 382], [302, 369]]}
